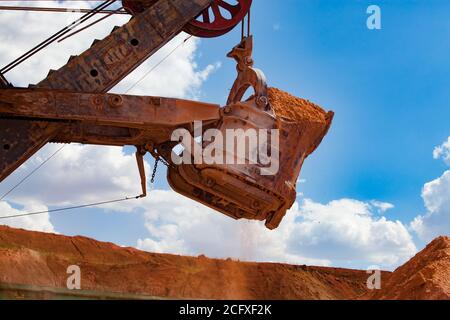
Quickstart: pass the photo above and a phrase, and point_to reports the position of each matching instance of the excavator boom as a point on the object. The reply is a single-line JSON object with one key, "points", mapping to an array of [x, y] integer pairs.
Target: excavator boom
{"points": [[144, 119], [97, 70], [257, 181]]}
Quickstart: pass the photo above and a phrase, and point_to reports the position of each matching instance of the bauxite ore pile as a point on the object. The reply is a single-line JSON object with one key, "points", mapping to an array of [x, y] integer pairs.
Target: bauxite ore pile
{"points": [[296, 109], [30, 258], [425, 277]]}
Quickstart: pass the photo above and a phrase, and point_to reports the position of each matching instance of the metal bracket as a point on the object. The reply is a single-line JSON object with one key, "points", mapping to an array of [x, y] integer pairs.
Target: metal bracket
{"points": [[140, 153], [247, 75]]}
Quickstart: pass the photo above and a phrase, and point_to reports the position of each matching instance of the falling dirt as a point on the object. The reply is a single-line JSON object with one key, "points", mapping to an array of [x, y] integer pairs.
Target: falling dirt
{"points": [[41, 259], [295, 109]]}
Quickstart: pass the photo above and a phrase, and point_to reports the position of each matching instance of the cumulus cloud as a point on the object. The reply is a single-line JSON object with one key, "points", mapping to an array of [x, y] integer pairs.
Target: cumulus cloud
{"points": [[77, 174], [174, 73], [443, 152], [436, 221], [381, 206], [36, 27], [341, 233], [436, 196], [178, 75], [180, 226], [84, 174], [348, 232], [36, 223]]}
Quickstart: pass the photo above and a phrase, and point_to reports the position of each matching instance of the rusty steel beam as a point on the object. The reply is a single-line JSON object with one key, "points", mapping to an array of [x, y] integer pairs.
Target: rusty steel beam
{"points": [[104, 109], [97, 70]]}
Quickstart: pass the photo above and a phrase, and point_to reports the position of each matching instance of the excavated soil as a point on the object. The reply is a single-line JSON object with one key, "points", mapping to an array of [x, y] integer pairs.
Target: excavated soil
{"points": [[296, 109], [41, 259], [425, 276]]}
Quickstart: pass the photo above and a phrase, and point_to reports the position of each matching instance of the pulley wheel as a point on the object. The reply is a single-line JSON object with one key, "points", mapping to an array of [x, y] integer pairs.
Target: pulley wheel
{"points": [[219, 18]]}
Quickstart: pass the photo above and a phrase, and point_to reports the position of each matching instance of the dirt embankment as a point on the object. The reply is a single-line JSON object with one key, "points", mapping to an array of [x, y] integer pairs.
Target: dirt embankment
{"points": [[34, 258], [41, 259], [425, 276]]}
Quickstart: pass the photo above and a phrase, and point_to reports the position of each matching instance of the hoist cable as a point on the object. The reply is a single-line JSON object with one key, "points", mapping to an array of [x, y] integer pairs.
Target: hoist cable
{"points": [[88, 26], [59, 10], [157, 65], [55, 37], [31, 173], [95, 204]]}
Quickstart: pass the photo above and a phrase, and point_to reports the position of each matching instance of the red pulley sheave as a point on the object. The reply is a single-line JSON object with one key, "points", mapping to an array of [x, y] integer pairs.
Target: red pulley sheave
{"points": [[216, 20], [219, 18]]}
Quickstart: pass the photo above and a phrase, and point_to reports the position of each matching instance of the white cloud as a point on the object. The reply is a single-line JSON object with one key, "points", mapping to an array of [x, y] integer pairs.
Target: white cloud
{"points": [[436, 196], [77, 174], [177, 76], [23, 30], [443, 152], [381, 206], [347, 232], [180, 226], [341, 233], [36, 223], [436, 221]]}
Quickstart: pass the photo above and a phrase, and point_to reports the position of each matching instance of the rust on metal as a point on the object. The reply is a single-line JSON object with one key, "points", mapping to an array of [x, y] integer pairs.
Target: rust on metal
{"points": [[71, 106], [241, 190], [104, 109], [248, 76], [96, 71], [219, 18]]}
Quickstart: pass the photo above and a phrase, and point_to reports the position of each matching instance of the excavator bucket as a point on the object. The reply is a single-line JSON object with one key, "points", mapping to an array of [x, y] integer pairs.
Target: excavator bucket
{"points": [[275, 132], [255, 190]]}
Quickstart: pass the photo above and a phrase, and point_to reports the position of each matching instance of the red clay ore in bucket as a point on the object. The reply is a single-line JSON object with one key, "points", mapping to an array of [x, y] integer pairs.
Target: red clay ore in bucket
{"points": [[296, 109]]}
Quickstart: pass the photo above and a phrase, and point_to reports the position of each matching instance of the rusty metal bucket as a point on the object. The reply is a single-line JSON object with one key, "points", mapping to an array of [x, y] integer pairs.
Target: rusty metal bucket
{"points": [[253, 190]]}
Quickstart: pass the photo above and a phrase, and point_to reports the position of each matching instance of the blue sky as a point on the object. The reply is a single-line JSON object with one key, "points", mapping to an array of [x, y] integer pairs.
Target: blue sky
{"points": [[389, 89]]}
